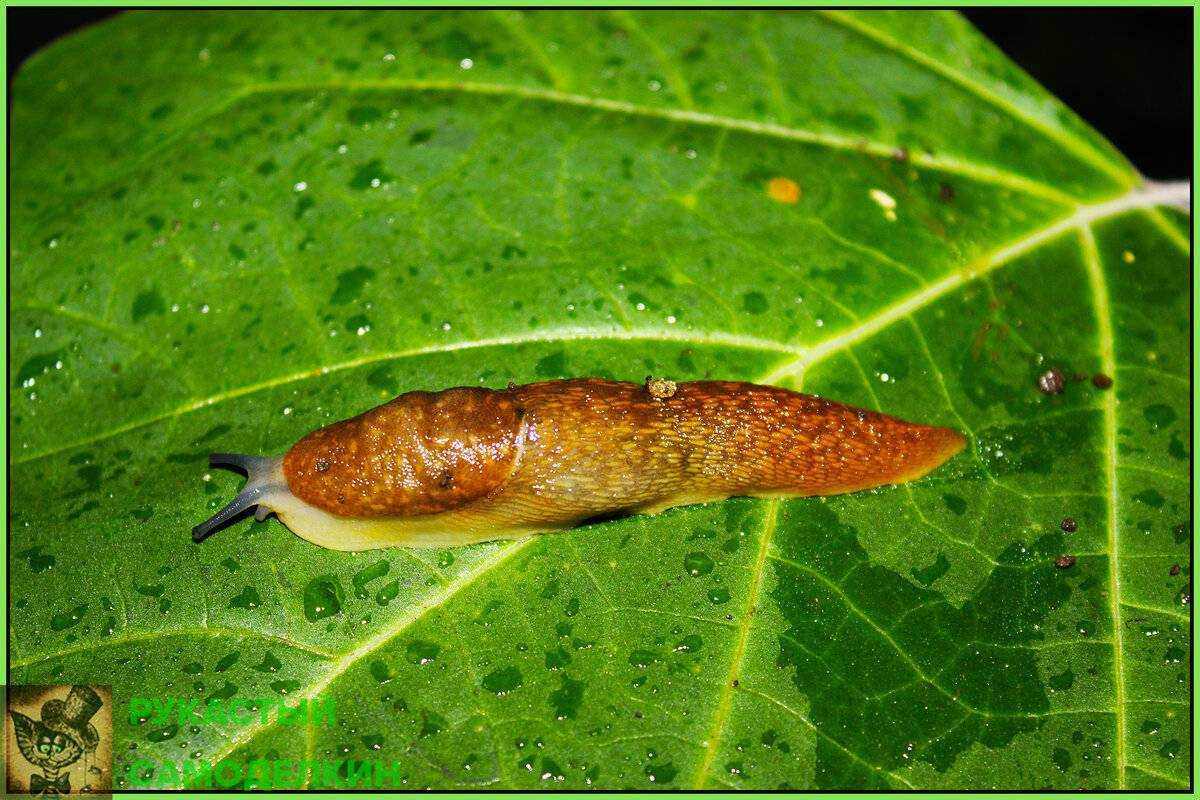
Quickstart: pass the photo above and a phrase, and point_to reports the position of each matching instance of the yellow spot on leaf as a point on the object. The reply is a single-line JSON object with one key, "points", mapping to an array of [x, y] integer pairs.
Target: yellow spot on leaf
{"points": [[783, 190], [688, 201], [1128, 257]]}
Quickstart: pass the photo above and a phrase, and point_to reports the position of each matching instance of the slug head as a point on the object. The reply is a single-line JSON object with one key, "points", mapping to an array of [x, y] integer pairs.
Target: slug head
{"points": [[421, 453]]}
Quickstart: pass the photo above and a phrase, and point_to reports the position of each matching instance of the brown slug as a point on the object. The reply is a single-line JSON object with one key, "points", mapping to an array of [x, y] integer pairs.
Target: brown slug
{"points": [[464, 465]]}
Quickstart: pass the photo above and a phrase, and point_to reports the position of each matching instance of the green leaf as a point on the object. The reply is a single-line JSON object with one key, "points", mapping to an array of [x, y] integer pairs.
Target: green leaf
{"points": [[231, 228]]}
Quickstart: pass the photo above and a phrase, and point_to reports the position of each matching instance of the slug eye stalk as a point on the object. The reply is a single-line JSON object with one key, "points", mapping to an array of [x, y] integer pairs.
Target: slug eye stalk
{"points": [[265, 478]]}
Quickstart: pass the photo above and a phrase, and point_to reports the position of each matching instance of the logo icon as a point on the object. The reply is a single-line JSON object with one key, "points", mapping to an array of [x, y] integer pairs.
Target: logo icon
{"points": [[66, 748]]}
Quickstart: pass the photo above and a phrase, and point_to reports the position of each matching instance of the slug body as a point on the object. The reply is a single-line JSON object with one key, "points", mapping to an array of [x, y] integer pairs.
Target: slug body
{"points": [[432, 469]]}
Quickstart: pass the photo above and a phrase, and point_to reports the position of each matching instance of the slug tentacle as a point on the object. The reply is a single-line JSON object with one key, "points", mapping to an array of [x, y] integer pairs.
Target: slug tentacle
{"points": [[265, 481]]}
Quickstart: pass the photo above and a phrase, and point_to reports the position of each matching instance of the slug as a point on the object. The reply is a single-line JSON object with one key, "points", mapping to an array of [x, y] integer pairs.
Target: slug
{"points": [[464, 465]]}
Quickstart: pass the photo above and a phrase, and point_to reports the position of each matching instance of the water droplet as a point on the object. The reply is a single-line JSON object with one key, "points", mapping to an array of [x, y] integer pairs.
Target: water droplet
{"points": [[368, 574], [247, 599], [162, 734], [421, 652], [466, 63], [659, 774], [60, 622], [36, 560], [381, 671], [388, 593], [269, 663], [718, 595], [697, 564], [322, 598], [503, 680]]}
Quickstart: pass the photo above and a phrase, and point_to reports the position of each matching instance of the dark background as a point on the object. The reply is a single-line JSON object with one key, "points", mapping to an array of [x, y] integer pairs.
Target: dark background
{"points": [[1126, 71]]}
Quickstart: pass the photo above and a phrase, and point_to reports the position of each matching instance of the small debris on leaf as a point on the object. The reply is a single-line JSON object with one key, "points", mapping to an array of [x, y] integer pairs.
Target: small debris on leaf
{"points": [[1069, 524], [1064, 562], [660, 388], [1101, 381], [946, 192], [1174, 569], [783, 190], [1051, 381]]}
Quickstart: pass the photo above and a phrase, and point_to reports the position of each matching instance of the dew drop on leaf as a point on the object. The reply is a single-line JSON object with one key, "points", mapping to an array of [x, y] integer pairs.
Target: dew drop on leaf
{"points": [[322, 598], [697, 563]]}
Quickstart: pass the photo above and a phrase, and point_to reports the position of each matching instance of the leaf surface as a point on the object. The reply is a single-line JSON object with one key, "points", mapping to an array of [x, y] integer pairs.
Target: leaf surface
{"points": [[229, 229]]}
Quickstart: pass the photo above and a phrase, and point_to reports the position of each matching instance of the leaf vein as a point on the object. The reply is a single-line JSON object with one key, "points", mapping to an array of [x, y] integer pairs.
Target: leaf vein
{"points": [[725, 702]]}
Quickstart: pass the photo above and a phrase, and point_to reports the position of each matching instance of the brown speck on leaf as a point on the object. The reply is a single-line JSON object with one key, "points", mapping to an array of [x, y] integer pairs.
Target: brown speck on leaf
{"points": [[1101, 381], [447, 480], [1051, 382], [736, 683], [946, 192], [1174, 569], [512, 385], [660, 388], [1069, 524], [322, 465], [637, 715], [1064, 562], [980, 338]]}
